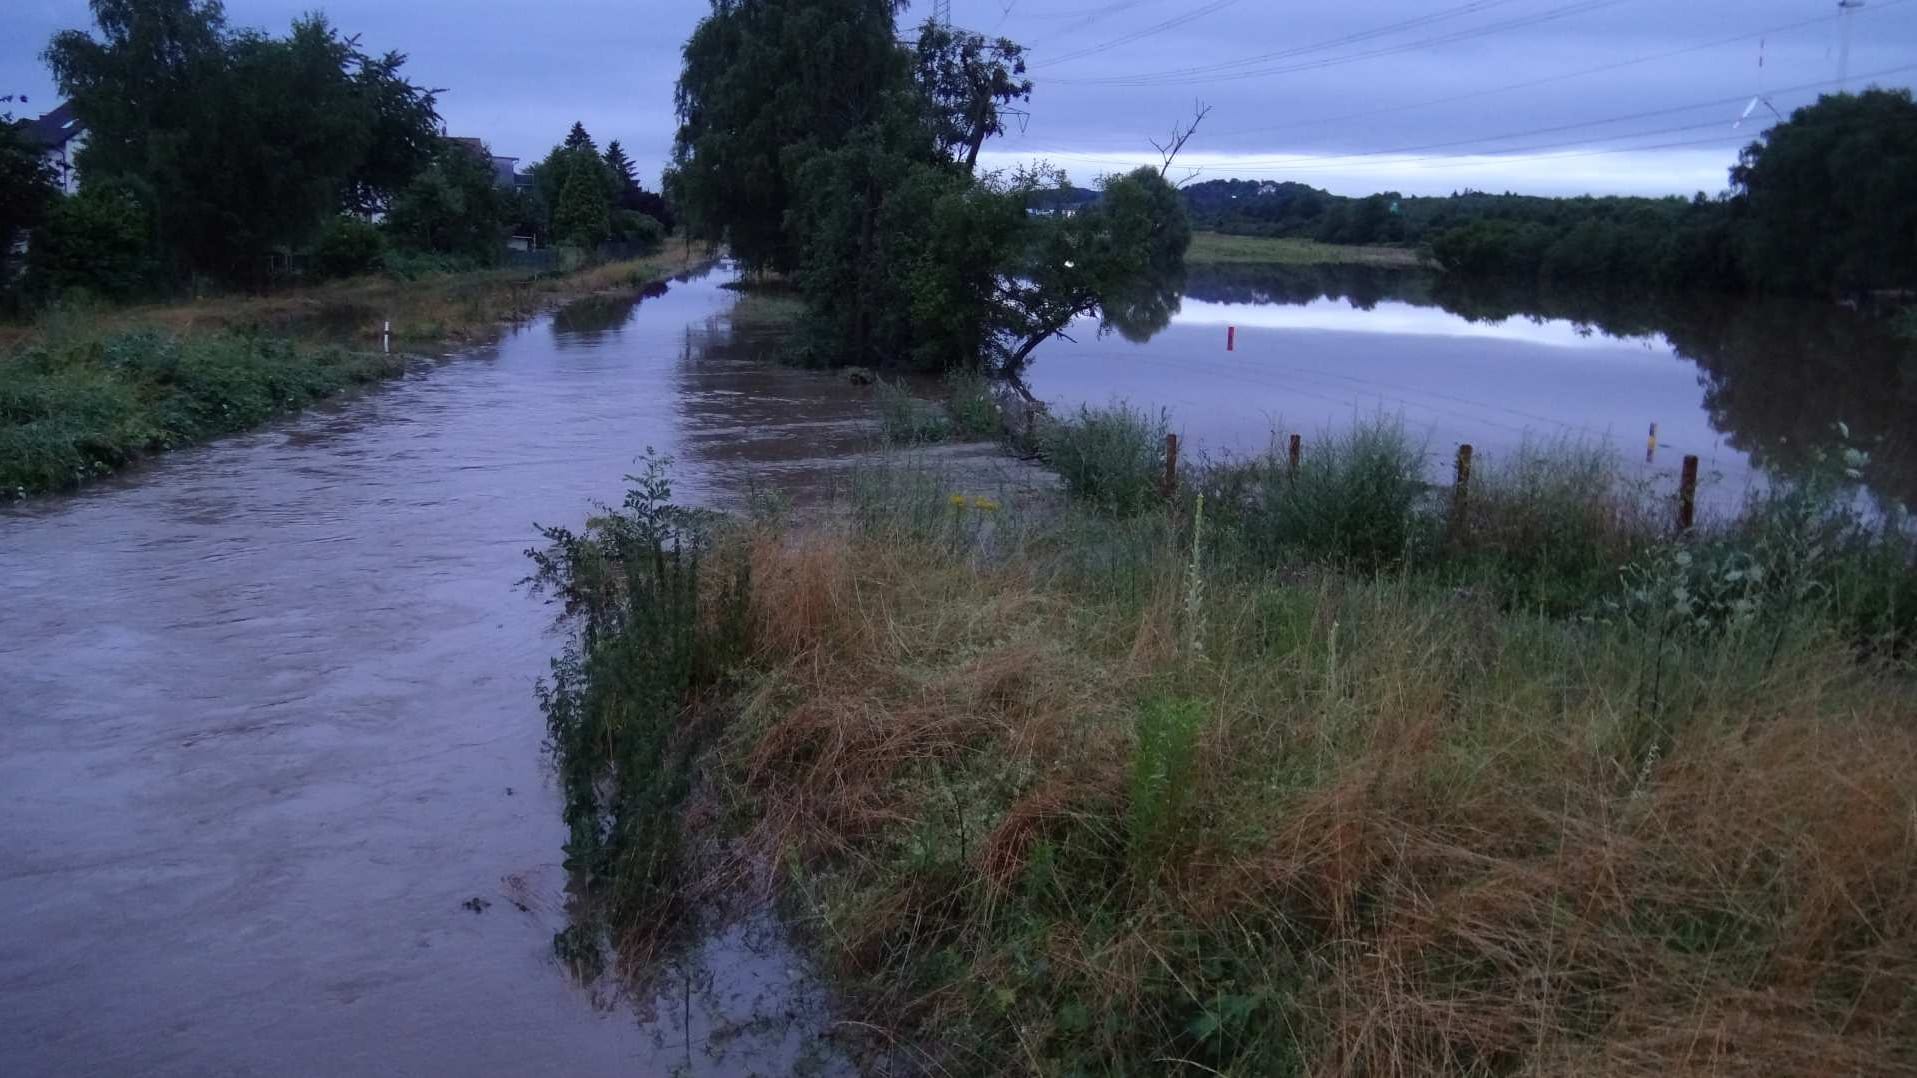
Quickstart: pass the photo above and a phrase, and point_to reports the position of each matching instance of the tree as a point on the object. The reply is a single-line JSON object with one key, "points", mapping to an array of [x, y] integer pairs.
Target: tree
{"points": [[1831, 196], [455, 208], [26, 190], [970, 84], [577, 139], [247, 142], [765, 84], [620, 166], [582, 218]]}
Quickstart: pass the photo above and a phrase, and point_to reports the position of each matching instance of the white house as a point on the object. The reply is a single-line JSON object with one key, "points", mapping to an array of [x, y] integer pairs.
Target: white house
{"points": [[60, 135]]}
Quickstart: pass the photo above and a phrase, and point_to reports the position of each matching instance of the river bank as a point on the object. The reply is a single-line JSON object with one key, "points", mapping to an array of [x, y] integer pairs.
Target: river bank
{"points": [[85, 391], [1323, 771]]}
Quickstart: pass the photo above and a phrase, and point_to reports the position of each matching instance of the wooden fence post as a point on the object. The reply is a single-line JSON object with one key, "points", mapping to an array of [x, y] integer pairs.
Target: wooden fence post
{"points": [[1650, 445], [1170, 485], [1460, 493], [1687, 495], [1291, 458]]}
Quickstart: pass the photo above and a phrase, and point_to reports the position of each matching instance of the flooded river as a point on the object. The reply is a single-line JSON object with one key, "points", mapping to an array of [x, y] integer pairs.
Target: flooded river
{"points": [[272, 795], [267, 720]]}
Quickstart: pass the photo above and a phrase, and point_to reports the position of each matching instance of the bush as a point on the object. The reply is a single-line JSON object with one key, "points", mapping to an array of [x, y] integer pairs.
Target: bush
{"points": [[1113, 457], [906, 420], [347, 247], [1355, 501], [974, 410], [99, 241], [637, 229]]}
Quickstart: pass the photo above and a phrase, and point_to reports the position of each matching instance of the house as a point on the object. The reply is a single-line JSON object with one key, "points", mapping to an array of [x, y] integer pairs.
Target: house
{"points": [[60, 136], [505, 169]]}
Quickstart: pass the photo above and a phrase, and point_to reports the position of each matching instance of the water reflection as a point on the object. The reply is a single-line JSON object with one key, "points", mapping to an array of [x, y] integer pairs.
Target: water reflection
{"points": [[1747, 384]]}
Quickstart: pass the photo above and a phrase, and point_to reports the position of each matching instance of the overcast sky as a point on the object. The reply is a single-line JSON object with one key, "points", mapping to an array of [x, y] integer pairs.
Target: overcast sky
{"points": [[1412, 95]]}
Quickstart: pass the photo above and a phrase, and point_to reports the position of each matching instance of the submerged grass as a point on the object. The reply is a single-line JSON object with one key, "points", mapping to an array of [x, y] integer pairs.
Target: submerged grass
{"points": [[1071, 789]]}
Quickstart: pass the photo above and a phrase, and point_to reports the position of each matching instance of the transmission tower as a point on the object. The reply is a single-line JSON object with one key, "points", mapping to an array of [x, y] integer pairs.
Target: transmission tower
{"points": [[942, 12], [1846, 9]]}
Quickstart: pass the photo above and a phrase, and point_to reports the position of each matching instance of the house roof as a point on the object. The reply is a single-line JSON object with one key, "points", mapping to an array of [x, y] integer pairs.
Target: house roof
{"points": [[56, 128]]}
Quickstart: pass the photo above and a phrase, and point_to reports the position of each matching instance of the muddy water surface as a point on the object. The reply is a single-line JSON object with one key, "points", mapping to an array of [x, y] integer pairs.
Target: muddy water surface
{"points": [[267, 724]]}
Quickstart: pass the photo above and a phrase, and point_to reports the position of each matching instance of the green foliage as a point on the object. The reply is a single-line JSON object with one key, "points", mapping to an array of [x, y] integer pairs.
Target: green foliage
{"points": [[77, 408], [974, 408], [1829, 195], [454, 207], [616, 705], [247, 142], [1355, 500], [580, 218], [766, 83], [1819, 205], [1161, 775], [349, 246], [98, 241], [26, 191], [1112, 458], [633, 227], [905, 419], [861, 186]]}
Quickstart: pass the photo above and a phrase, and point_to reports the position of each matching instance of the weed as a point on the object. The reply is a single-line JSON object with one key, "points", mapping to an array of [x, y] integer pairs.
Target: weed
{"points": [[969, 399], [907, 420], [1112, 458]]}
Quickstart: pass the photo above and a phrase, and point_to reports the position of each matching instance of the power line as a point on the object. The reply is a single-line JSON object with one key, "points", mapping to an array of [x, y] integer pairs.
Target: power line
{"points": [[1335, 160], [1138, 35], [1518, 23], [1330, 43]]}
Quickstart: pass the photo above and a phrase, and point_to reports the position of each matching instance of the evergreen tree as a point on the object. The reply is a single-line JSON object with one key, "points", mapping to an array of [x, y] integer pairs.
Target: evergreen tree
{"points": [[582, 217], [577, 139], [624, 178]]}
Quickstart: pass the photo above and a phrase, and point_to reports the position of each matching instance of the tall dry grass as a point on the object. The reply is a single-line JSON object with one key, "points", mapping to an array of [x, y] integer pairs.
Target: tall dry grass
{"points": [[1419, 833]]}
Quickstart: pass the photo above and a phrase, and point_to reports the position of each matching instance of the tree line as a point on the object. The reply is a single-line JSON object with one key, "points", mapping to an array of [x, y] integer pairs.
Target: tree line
{"points": [[220, 154], [820, 145], [1824, 203]]}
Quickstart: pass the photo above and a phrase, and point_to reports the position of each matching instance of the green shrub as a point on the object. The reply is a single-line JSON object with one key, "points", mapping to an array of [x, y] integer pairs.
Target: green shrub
{"points": [[98, 241], [1161, 774], [969, 398], [644, 636], [908, 420], [633, 227], [348, 246], [1355, 501], [1112, 458]]}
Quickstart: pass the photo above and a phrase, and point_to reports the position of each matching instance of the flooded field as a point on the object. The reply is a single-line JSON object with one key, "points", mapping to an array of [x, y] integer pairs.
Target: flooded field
{"points": [[272, 791]]}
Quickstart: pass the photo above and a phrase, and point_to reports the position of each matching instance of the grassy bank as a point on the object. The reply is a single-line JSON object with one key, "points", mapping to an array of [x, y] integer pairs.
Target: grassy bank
{"points": [[1323, 776], [1212, 248], [87, 390]]}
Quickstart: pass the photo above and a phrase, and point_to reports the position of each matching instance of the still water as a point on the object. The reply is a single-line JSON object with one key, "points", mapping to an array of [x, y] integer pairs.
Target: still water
{"points": [[267, 725], [1748, 387]]}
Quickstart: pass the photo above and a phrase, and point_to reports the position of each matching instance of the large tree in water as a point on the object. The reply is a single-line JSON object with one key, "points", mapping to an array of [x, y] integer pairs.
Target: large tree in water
{"points": [[818, 145]]}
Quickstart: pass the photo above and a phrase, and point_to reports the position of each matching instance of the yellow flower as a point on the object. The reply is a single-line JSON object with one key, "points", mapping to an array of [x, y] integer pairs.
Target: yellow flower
{"points": [[958, 501], [985, 504]]}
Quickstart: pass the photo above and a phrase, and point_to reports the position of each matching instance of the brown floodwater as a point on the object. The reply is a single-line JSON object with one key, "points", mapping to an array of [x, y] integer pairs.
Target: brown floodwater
{"points": [[267, 721], [267, 724]]}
